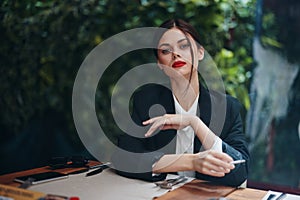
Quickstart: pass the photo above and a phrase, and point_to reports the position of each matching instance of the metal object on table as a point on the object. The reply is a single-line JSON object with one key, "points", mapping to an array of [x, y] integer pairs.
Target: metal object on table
{"points": [[27, 183], [169, 183], [98, 168]]}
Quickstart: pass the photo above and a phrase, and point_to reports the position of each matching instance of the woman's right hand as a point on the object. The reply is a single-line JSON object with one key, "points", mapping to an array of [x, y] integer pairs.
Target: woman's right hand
{"points": [[212, 163], [167, 121]]}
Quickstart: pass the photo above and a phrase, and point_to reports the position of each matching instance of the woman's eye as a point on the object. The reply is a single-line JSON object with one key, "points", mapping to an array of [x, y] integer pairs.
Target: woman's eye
{"points": [[166, 51], [184, 46]]}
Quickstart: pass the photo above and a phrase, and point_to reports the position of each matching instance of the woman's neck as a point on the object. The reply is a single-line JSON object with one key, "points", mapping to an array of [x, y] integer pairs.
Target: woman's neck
{"points": [[186, 91]]}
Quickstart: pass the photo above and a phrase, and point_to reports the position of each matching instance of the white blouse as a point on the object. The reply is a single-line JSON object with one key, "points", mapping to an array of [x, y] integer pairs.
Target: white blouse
{"points": [[185, 137]]}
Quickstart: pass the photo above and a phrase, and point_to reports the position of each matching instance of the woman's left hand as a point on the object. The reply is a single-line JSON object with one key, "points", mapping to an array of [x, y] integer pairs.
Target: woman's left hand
{"points": [[168, 121]]}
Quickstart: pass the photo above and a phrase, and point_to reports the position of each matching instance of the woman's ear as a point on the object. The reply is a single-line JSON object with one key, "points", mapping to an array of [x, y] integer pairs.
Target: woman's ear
{"points": [[201, 53]]}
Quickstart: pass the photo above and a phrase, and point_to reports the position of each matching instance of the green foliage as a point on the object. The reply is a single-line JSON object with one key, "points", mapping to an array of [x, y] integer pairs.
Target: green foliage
{"points": [[234, 71], [45, 42], [280, 28]]}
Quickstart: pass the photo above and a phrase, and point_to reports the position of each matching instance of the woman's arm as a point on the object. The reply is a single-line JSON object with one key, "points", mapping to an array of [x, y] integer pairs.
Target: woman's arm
{"points": [[233, 143], [208, 162], [177, 121]]}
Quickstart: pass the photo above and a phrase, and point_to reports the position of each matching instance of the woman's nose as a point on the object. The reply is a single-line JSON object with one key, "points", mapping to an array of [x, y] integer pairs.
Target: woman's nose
{"points": [[176, 55]]}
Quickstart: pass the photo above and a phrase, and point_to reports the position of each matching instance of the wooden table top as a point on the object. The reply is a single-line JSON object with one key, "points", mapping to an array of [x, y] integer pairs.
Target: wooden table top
{"points": [[8, 179], [230, 193], [246, 194]]}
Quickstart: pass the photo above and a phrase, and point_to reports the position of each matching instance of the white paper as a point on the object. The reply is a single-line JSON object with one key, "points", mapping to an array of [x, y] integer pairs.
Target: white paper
{"points": [[277, 194], [106, 185]]}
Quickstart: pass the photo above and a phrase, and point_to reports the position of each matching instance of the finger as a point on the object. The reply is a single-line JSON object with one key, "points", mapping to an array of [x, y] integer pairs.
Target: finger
{"points": [[156, 125], [222, 156], [146, 122], [226, 166], [150, 131], [150, 121], [213, 173], [215, 158], [169, 126], [215, 167]]}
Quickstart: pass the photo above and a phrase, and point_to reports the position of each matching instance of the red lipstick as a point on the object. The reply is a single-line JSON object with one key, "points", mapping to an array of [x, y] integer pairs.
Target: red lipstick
{"points": [[178, 64]]}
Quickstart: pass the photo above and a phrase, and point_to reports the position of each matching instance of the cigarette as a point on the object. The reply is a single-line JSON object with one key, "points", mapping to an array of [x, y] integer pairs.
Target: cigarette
{"points": [[237, 162]]}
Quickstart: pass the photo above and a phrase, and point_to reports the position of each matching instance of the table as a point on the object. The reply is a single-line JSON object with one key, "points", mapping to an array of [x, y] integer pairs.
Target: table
{"points": [[109, 185]]}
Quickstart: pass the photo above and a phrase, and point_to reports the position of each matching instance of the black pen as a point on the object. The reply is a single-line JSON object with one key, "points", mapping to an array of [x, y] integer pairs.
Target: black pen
{"points": [[96, 171]]}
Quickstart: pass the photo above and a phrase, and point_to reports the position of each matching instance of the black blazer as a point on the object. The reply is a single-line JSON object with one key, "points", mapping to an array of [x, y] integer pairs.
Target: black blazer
{"points": [[221, 113]]}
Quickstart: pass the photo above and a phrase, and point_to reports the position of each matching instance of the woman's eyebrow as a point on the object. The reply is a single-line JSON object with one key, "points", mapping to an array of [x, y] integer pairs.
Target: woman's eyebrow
{"points": [[164, 44], [167, 44], [181, 40]]}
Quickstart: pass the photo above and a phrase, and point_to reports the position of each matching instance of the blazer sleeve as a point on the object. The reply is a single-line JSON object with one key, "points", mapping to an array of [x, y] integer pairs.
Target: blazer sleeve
{"points": [[234, 144], [140, 159]]}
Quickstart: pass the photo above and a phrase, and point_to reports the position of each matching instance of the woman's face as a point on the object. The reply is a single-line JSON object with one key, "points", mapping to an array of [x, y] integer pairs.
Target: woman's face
{"points": [[175, 55]]}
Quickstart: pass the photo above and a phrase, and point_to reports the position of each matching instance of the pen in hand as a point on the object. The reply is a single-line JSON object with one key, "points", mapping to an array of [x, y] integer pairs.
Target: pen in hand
{"points": [[237, 161]]}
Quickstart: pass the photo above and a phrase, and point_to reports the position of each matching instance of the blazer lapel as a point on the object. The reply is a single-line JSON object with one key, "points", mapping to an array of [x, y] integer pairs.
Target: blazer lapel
{"points": [[204, 112], [165, 140]]}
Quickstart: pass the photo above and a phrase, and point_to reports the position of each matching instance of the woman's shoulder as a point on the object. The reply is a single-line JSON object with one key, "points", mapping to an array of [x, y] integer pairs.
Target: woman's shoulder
{"points": [[153, 94], [152, 90], [221, 98]]}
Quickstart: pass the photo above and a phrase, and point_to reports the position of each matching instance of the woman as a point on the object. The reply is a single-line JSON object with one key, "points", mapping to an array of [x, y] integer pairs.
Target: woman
{"points": [[185, 144]]}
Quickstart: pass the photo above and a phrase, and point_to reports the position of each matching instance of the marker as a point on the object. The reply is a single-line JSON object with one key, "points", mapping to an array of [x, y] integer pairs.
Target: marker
{"points": [[237, 162]]}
